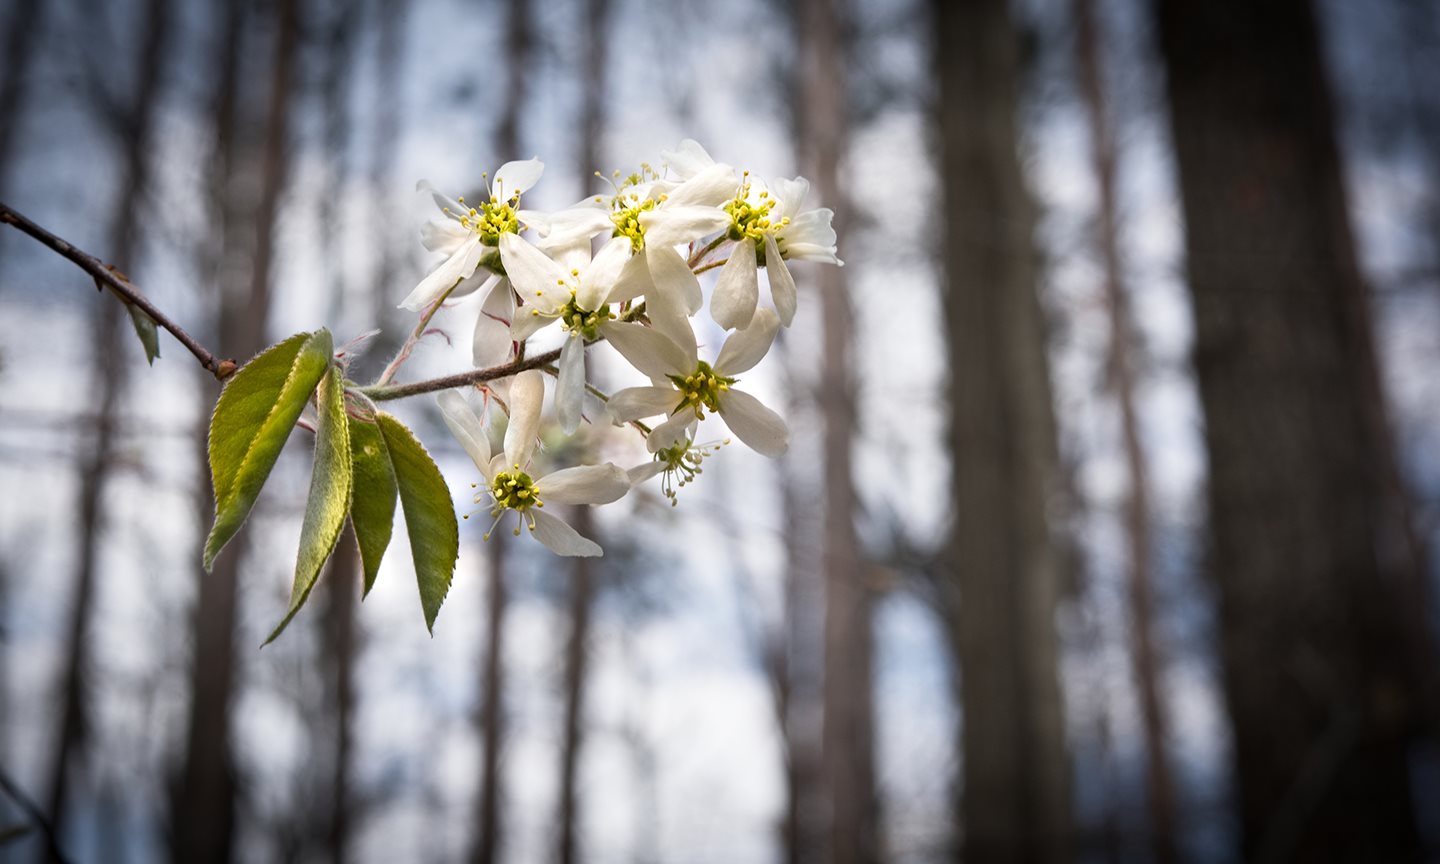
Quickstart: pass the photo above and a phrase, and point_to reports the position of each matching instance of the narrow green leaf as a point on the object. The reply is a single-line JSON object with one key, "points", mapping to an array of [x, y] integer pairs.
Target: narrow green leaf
{"points": [[253, 417], [429, 514], [372, 506], [329, 499]]}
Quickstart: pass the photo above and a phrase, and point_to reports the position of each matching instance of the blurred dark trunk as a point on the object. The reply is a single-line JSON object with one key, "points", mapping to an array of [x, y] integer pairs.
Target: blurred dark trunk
{"points": [[486, 842], [343, 586], [999, 583], [24, 32], [389, 60], [109, 364], [1316, 591], [582, 590], [343, 581], [1120, 365], [203, 812], [848, 735], [582, 575]]}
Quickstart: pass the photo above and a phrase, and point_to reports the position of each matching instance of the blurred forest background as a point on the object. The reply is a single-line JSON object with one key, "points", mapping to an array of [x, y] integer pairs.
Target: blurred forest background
{"points": [[1107, 531]]}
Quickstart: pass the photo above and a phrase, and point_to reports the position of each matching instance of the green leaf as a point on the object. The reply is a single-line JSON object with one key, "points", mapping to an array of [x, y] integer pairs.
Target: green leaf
{"points": [[253, 417], [145, 329], [329, 499], [372, 506], [429, 514]]}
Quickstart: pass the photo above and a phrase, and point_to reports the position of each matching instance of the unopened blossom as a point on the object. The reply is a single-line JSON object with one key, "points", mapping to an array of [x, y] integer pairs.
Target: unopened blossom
{"points": [[470, 233], [694, 386], [508, 485]]}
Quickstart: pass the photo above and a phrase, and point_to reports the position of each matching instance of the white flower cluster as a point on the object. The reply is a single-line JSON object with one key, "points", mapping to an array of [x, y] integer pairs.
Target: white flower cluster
{"points": [[658, 230]]}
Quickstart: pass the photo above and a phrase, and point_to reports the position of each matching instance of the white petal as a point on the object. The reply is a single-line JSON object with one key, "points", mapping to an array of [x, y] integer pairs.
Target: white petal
{"points": [[600, 277], [560, 538], [647, 349], [644, 471], [782, 284], [738, 289], [711, 187], [637, 403], [526, 395], [789, 194], [677, 428], [577, 223], [443, 235], [570, 384], [513, 178], [688, 159], [670, 226], [634, 280], [536, 278], [465, 426], [670, 273], [746, 347], [491, 343], [528, 321], [584, 484], [759, 427], [461, 263], [451, 207], [812, 226]]}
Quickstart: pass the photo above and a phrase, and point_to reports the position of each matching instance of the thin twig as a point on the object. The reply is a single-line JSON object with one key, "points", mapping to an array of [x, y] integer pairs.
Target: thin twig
{"points": [[462, 379], [554, 372], [711, 266], [413, 339], [711, 247], [120, 284]]}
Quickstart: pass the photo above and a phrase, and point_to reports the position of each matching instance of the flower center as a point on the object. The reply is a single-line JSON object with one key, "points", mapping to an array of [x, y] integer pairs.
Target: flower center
{"points": [[491, 219], [586, 322], [701, 389], [626, 216], [514, 490]]}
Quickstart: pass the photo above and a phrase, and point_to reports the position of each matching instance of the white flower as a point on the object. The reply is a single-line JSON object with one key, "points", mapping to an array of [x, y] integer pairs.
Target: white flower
{"points": [[578, 299], [469, 234], [695, 385], [769, 229], [507, 485], [656, 215], [678, 465]]}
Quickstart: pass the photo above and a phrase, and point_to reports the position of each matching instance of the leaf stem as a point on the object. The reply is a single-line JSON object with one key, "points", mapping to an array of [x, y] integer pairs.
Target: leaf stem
{"points": [[710, 247], [711, 266], [120, 284]]}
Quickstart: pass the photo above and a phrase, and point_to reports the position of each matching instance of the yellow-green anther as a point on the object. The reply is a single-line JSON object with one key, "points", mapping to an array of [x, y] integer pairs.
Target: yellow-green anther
{"points": [[701, 389], [514, 490]]}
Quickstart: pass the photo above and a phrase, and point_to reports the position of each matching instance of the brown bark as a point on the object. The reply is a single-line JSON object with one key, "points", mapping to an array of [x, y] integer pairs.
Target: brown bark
{"points": [[1159, 786], [848, 734], [487, 840], [108, 371], [999, 583], [1319, 673], [582, 591], [342, 588], [203, 813], [486, 843]]}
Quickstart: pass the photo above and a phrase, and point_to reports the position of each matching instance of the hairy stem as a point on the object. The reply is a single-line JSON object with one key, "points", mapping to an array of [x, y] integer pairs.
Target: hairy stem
{"points": [[119, 283]]}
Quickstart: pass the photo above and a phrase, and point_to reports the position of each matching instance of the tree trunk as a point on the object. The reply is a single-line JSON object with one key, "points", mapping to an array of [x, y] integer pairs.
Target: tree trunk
{"points": [[109, 364], [582, 590], [1159, 787], [204, 808], [486, 842], [848, 735], [1000, 581], [1320, 680], [25, 31], [342, 589]]}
